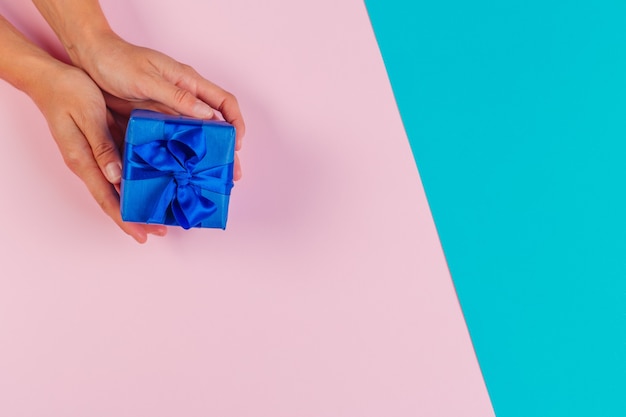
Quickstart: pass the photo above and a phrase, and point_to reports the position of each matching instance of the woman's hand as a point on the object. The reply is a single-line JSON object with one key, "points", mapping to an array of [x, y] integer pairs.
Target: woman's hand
{"points": [[137, 77], [78, 118], [79, 121], [138, 74]]}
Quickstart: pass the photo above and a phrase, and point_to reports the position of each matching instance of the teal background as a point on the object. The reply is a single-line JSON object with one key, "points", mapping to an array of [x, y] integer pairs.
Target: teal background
{"points": [[516, 114]]}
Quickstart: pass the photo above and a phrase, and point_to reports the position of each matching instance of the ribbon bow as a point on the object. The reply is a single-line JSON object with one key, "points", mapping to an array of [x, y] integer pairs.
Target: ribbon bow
{"points": [[178, 156]]}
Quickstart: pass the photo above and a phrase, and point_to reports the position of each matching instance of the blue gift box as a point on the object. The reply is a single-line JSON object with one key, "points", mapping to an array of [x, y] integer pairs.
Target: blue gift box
{"points": [[177, 171]]}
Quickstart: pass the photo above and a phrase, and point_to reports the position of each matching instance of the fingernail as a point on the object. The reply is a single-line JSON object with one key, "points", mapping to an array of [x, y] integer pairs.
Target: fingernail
{"points": [[113, 172], [202, 110]]}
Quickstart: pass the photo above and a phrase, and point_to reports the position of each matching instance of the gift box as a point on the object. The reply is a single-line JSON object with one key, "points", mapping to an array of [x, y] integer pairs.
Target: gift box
{"points": [[177, 171]]}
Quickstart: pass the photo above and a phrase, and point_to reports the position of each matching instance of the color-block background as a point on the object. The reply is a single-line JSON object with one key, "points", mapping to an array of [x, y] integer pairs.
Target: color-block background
{"points": [[516, 114], [328, 295]]}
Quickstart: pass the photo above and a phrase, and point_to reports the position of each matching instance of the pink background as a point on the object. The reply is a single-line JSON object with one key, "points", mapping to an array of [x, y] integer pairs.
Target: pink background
{"points": [[328, 295]]}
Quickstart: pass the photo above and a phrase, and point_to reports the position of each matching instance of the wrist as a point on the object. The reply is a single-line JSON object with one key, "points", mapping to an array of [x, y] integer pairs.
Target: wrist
{"points": [[44, 72], [84, 47], [77, 23], [22, 64]]}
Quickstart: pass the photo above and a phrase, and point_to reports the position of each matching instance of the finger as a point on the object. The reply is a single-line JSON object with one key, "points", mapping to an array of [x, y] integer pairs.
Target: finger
{"points": [[115, 129], [105, 195], [94, 127], [125, 107], [227, 104], [179, 99], [237, 168], [156, 229], [217, 98], [79, 158], [153, 229]]}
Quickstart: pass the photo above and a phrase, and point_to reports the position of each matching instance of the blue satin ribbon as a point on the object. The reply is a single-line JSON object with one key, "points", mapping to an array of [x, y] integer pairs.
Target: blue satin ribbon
{"points": [[177, 156]]}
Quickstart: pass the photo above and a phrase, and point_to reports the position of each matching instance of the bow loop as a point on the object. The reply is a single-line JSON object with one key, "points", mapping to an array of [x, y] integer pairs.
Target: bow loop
{"points": [[185, 143]]}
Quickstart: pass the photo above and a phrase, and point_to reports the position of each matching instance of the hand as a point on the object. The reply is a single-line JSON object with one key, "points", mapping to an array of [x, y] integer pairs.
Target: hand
{"points": [[77, 116], [141, 77], [133, 73]]}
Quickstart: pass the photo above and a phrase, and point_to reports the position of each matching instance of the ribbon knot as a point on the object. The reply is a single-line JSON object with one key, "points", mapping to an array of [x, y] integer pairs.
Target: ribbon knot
{"points": [[182, 178], [177, 156]]}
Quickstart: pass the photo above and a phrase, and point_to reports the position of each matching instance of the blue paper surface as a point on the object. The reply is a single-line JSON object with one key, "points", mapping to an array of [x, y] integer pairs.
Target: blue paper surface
{"points": [[515, 112], [177, 171]]}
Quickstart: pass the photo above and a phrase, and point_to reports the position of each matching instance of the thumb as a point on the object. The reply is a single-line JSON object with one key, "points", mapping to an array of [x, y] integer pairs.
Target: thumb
{"points": [[180, 100], [105, 151]]}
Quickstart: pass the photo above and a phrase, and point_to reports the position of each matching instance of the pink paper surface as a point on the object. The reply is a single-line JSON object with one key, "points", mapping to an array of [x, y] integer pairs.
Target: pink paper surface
{"points": [[328, 295]]}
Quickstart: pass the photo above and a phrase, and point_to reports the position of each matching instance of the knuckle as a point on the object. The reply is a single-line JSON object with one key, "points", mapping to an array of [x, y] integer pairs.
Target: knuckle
{"points": [[187, 72], [103, 150], [187, 69], [74, 160], [231, 97], [181, 96], [228, 100]]}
